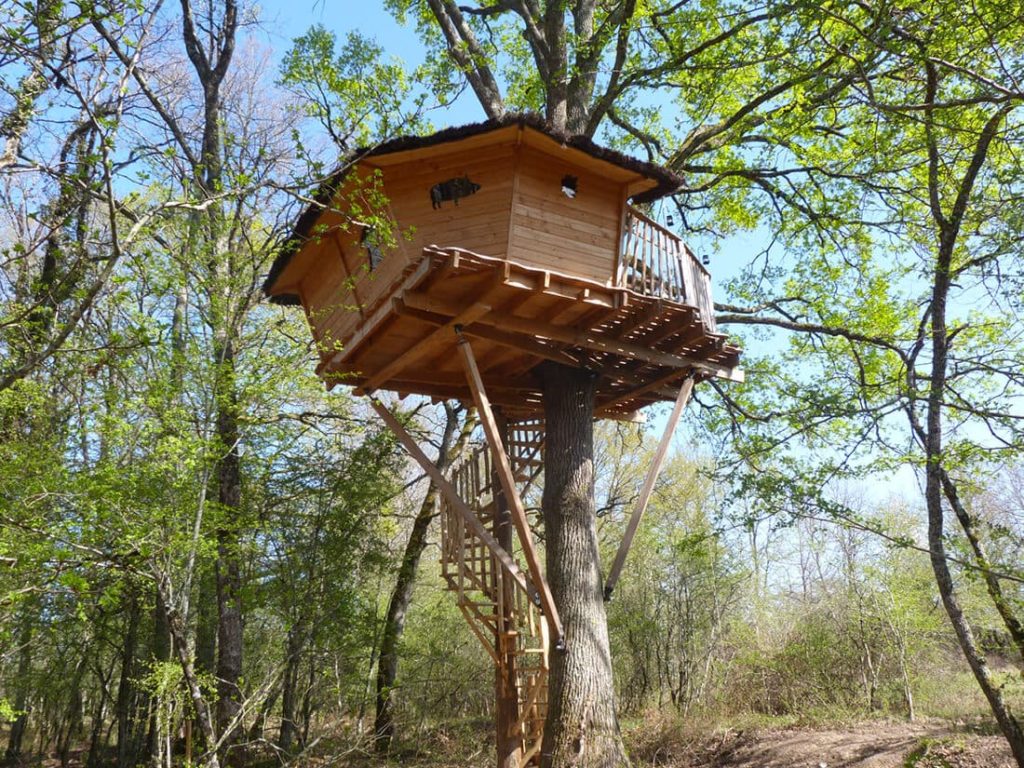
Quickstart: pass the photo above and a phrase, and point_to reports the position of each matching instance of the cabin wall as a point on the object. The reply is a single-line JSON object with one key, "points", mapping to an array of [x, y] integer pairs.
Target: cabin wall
{"points": [[518, 212], [336, 289], [340, 289], [578, 236], [479, 222]]}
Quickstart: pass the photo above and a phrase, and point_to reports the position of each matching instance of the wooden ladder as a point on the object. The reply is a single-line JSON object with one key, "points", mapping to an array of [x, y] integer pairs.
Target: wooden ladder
{"points": [[500, 611]]}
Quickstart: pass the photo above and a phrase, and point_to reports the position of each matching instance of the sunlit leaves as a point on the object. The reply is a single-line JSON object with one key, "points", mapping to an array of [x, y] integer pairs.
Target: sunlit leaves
{"points": [[357, 93]]}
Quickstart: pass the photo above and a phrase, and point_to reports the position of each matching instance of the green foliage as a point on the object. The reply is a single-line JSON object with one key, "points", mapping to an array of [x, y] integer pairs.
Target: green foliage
{"points": [[354, 92]]}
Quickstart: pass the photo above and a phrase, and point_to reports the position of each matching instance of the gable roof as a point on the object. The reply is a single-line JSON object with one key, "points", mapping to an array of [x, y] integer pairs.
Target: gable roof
{"points": [[665, 181]]}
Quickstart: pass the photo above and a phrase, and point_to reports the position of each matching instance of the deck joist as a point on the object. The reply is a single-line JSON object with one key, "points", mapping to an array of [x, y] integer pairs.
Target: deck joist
{"points": [[519, 316]]}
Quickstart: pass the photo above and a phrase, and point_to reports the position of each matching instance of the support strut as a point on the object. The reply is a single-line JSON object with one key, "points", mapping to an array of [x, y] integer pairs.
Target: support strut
{"points": [[503, 469], [472, 521], [648, 487]]}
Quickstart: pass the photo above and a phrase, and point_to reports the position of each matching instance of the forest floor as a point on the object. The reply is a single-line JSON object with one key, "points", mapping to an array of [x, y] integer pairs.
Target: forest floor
{"points": [[872, 744], [930, 743], [875, 744]]}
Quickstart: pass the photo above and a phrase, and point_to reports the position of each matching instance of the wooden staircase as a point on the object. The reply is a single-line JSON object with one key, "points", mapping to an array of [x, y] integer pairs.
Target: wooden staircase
{"points": [[500, 610]]}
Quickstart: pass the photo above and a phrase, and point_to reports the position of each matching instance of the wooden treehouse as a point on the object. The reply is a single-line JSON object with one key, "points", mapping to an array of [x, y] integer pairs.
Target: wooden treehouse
{"points": [[505, 245]]}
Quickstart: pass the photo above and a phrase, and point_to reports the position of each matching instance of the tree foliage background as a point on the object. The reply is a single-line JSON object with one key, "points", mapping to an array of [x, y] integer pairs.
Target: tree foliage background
{"points": [[199, 545]]}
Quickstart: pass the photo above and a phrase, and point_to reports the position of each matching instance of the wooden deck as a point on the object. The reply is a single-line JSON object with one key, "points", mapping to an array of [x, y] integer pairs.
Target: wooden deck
{"points": [[516, 317]]}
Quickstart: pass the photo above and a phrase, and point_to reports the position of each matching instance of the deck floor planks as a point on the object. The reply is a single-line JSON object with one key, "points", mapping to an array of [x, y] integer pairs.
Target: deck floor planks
{"points": [[458, 278]]}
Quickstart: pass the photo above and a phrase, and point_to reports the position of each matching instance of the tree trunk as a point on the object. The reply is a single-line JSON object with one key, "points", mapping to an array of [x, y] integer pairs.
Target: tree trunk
{"points": [[97, 742], [161, 653], [73, 718], [258, 729], [582, 728], [289, 688], [205, 630], [932, 436], [22, 687], [125, 709], [228, 571], [401, 596], [179, 641]]}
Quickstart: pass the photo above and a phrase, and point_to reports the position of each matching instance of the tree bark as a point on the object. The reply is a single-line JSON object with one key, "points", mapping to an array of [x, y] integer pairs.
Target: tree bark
{"points": [[289, 689], [179, 641], [582, 728], [931, 433], [228, 571], [126, 689], [22, 687], [160, 654]]}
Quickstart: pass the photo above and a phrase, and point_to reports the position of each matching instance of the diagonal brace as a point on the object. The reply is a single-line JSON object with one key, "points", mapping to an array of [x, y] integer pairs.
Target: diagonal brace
{"points": [[503, 469], [648, 487], [450, 493]]}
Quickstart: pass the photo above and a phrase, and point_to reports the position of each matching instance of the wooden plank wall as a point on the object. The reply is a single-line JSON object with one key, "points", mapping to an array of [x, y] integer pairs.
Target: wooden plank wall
{"points": [[337, 287], [340, 282], [479, 223], [578, 236], [519, 212]]}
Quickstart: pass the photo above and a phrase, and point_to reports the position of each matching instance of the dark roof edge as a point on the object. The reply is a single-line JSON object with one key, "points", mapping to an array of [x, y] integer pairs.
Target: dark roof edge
{"points": [[667, 181]]}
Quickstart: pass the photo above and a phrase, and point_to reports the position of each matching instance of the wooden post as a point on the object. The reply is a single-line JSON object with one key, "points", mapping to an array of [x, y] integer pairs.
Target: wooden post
{"points": [[508, 740], [504, 470], [445, 487], [648, 486]]}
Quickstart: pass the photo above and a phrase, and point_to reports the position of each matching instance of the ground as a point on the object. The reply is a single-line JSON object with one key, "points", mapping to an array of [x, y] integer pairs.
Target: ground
{"points": [[881, 744], [874, 744]]}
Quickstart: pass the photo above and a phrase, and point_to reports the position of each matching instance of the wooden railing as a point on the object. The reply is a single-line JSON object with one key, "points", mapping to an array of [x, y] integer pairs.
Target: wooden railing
{"points": [[655, 262]]}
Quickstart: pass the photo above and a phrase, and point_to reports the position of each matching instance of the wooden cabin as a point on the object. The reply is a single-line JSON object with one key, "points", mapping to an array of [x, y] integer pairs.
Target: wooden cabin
{"points": [[526, 240]]}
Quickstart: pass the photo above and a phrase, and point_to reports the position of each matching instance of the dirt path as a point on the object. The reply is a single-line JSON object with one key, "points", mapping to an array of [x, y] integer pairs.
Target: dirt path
{"points": [[872, 745]]}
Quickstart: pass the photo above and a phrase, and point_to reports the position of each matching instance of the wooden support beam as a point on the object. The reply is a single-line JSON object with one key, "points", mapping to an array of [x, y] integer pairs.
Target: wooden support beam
{"points": [[504, 471], [643, 389], [648, 487], [445, 487], [434, 341], [512, 340], [577, 338]]}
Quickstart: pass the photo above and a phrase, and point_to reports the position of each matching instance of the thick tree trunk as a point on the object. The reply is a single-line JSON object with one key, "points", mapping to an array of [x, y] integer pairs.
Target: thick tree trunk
{"points": [[582, 729], [229, 576]]}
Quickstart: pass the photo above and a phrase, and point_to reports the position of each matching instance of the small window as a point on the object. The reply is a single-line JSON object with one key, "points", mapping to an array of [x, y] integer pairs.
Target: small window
{"points": [[569, 186], [369, 241]]}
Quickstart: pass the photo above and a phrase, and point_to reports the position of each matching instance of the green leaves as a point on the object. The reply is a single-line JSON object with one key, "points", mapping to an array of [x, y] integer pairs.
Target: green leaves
{"points": [[356, 93]]}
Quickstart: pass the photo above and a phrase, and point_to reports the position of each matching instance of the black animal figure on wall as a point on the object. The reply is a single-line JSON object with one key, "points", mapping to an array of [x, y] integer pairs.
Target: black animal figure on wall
{"points": [[452, 190]]}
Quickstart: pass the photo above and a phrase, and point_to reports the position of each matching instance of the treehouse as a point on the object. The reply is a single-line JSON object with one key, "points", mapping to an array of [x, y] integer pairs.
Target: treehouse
{"points": [[452, 266], [524, 238]]}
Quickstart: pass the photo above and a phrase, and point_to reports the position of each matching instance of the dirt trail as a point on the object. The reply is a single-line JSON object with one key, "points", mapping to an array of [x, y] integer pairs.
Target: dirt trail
{"points": [[871, 745]]}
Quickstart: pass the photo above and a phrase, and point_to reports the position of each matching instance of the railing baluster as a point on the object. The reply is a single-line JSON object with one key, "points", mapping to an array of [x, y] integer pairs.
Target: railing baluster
{"points": [[655, 262]]}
